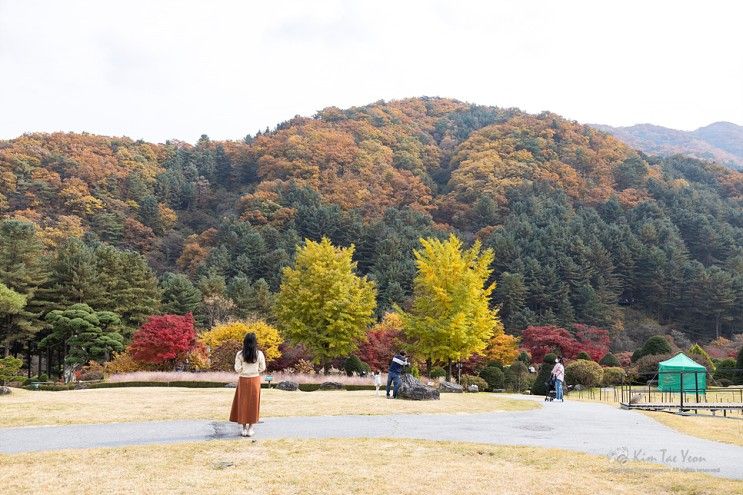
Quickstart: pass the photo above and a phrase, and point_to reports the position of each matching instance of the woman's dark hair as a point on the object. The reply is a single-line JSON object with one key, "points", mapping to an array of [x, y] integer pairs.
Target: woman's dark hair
{"points": [[250, 348]]}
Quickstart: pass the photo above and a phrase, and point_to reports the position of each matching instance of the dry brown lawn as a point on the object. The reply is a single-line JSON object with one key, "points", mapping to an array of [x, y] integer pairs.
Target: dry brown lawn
{"points": [[26, 408], [343, 467], [728, 430]]}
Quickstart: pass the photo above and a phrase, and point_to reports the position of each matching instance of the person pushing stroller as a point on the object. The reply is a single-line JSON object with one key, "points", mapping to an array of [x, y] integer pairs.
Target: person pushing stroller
{"points": [[556, 382]]}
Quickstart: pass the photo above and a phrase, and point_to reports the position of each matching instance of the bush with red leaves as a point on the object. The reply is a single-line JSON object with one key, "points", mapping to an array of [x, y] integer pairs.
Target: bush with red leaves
{"points": [[540, 340], [164, 339]]}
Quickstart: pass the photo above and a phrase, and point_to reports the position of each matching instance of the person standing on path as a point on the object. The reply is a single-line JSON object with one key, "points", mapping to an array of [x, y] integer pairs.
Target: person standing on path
{"points": [[393, 375], [558, 373], [249, 364], [377, 380]]}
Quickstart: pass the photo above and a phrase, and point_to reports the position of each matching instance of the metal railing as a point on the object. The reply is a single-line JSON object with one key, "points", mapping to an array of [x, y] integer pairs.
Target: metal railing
{"points": [[679, 394]]}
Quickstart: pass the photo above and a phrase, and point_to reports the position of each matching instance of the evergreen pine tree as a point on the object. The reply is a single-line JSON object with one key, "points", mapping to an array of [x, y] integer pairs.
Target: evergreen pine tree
{"points": [[23, 270], [179, 295]]}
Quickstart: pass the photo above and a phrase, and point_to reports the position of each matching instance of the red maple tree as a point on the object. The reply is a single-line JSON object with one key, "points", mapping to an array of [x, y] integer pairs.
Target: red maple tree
{"points": [[539, 340], [594, 341], [164, 338], [382, 342]]}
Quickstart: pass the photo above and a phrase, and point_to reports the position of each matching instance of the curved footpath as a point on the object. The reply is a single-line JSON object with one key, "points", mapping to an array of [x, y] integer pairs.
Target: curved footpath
{"points": [[579, 426]]}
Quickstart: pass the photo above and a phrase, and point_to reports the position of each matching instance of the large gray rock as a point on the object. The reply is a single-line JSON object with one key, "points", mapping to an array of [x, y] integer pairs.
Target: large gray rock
{"points": [[473, 388], [412, 389], [331, 386], [450, 388], [4, 390], [288, 386]]}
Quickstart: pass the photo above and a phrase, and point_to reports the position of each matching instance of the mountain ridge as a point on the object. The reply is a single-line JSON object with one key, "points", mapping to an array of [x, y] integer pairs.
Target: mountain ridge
{"points": [[579, 221], [721, 141]]}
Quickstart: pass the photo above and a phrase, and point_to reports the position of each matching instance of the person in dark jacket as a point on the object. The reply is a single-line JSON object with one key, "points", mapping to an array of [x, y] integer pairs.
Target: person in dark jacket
{"points": [[393, 375]]}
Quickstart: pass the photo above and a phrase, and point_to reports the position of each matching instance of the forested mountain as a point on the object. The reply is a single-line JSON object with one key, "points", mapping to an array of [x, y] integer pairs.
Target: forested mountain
{"points": [[721, 142], [584, 228]]}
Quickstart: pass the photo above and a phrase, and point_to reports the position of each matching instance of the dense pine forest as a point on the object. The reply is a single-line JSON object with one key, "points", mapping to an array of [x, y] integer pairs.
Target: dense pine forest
{"points": [[584, 229]]}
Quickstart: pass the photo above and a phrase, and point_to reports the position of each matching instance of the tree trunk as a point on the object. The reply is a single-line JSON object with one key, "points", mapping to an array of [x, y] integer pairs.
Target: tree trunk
{"points": [[448, 371], [28, 356], [429, 364], [48, 362]]}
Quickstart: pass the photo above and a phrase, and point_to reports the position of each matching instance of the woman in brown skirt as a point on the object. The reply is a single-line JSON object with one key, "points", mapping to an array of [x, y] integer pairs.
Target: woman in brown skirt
{"points": [[249, 363]]}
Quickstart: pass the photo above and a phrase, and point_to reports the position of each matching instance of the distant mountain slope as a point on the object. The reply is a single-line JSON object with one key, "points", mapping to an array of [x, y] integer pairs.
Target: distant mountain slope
{"points": [[583, 227], [721, 142], [724, 135]]}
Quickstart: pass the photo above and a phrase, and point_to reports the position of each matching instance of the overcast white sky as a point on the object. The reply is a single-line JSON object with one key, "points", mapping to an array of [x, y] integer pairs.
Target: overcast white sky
{"points": [[176, 69]]}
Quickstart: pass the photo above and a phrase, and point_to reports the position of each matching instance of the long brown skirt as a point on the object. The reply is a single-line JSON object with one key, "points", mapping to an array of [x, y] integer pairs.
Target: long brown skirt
{"points": [[246, 405]]}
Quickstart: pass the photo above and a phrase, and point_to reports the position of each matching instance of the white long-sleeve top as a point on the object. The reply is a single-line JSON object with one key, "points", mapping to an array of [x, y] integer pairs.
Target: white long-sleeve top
{"points": [[559, 372], [250, 369]]}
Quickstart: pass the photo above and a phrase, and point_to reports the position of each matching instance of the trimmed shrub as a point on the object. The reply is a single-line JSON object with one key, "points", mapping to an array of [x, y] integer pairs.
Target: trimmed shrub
{"points": [[610, 360], [313, 387], [222, 357], [437, 372], [90, 376], [724, 382], [613, 375], [655, 345], [353, 365], [524, 358], [725, 370], [198, 358], [468, 380], [304, 366], [91, 372], [585, 373], [124, 362], [550, 358], [9, 367], [516, 377], [539, 386], [583, 355], [43, 377], [494, 377], [648, 365], [57, 387]]}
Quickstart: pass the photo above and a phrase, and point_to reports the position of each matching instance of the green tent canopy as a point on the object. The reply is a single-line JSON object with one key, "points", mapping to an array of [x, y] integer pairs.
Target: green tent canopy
{"points": [[681, 367]]}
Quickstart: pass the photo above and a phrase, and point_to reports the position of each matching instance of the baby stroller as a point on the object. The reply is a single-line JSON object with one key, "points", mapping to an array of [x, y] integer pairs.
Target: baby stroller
{"points": [[551, 386]]}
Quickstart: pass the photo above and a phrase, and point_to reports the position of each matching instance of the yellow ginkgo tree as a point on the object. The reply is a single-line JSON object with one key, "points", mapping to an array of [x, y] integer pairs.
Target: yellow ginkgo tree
{"points": [[323, 304], [268, 337], [450, 318]]}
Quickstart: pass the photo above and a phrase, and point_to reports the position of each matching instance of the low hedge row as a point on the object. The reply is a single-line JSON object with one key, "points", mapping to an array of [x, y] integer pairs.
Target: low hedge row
{"points": [[51, 388], [304, 387], [186, 384], [312, 387]]}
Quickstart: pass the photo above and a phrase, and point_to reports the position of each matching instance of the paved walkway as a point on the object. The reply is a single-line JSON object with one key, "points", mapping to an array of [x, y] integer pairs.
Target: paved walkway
{"points": [[579, 426]]}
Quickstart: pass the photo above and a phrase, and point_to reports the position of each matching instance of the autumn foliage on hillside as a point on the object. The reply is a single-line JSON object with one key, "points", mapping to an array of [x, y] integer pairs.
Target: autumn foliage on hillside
{"points": [[581, 226]]}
